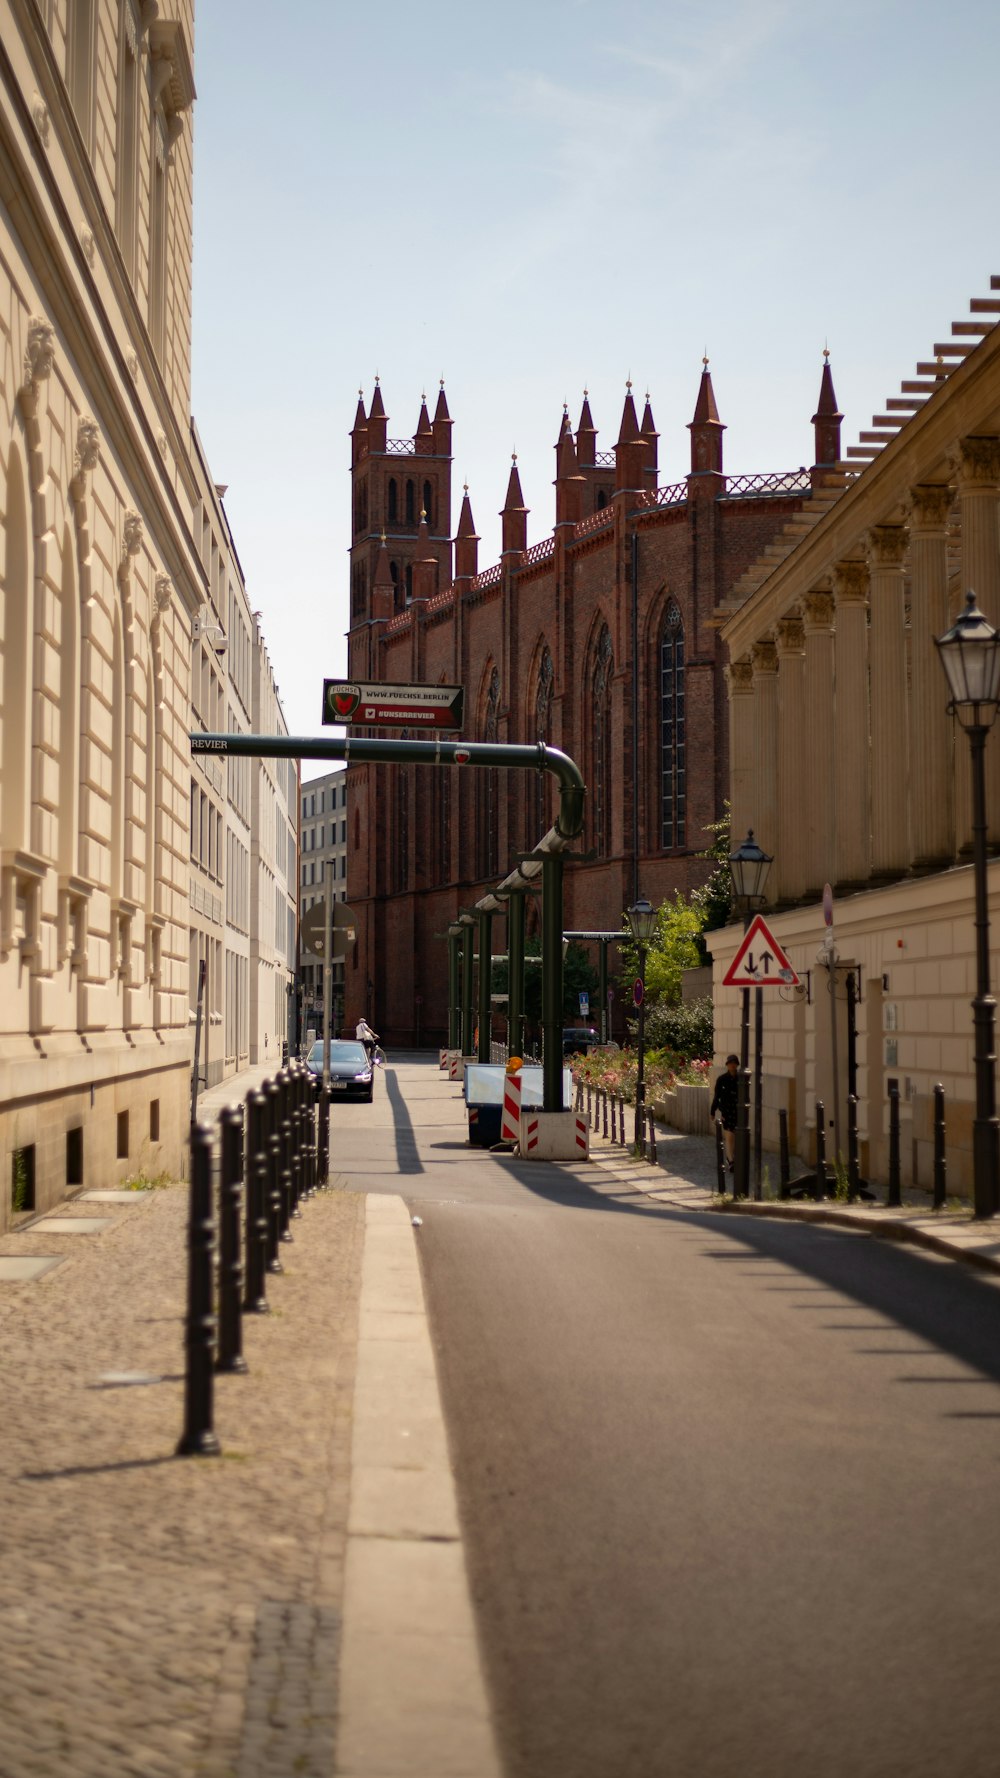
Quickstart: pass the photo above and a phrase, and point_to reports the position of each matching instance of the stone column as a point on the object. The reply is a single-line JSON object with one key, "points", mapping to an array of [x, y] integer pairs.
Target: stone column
{"points": [[790, 844], [820, 810], [932, 756], [742, 758], [852, 738], [764, 815], [975, 463], [889, 781]]}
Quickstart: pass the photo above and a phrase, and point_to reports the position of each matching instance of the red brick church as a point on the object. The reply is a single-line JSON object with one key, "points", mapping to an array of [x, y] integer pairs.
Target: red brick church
{"points": [[600, 639]]}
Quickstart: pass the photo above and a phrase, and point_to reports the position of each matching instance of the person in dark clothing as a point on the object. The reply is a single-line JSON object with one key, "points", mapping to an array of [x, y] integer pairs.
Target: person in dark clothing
{"points": [[724, 1103]]}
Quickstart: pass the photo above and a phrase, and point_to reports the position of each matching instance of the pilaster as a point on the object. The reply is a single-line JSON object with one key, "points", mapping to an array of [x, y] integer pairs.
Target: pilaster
{"points": [[764, 816], [820, 803], [975, 463], [792, 757], [852, 792], [740, 681], [932, 762], [889, 782]]}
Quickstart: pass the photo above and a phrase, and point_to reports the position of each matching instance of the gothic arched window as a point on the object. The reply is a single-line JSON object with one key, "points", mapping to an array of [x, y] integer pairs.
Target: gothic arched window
{"points": [[673, 785], [427, 504], [540, 802], [603, 675], [489, 804], [410, 511], [393, 506]]}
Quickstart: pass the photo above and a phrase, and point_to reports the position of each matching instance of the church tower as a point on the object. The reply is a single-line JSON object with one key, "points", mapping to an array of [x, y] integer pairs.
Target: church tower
{"points": [[398, 485]]}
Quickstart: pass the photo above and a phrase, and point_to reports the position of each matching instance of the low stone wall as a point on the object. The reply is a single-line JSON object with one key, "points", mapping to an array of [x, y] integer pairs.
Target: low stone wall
{"points": [[686, 1108]]}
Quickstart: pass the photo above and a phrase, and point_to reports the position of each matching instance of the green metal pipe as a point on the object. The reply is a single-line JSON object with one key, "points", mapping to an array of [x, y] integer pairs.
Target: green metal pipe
{"points": [[604, 1021], [515, 972], [485, 972], [552, 981], [536, 758], [466, 1044], [454, 1001]]}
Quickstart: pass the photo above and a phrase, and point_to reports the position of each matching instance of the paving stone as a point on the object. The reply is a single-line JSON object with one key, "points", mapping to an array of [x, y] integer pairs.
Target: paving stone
{"points": [[22, 1268], [73, 1225]]}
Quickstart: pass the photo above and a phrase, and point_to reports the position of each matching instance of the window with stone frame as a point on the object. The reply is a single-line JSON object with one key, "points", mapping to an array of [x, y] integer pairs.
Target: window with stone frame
{"points": [[602, 745], [673, 761]]}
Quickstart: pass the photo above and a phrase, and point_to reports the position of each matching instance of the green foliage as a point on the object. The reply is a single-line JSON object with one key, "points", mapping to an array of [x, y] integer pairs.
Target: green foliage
{"points": [[579, 977], [714, 899], [686, 1026], [147, 1182], [19, 1182], [674, 949]]}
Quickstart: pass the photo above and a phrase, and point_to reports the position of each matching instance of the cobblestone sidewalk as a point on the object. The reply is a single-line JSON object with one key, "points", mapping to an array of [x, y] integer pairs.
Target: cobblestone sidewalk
{"points": [[144, 1597]]}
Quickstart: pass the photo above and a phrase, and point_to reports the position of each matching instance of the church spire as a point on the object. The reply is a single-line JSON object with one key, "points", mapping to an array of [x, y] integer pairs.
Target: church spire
{"points": [[586, 436], [377, 422], [423, 438], [630, 450], [514, 515], [650, 434], [359, 431], [706, 431], [466, 541], [442, 425], [826, 422]]}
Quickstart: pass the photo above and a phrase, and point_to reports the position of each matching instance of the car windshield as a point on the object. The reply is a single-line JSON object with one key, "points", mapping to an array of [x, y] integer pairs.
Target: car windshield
{"points": [[339, 1052]]}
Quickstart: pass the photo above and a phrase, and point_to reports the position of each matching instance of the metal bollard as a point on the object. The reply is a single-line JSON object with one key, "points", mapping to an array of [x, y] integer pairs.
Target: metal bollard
{"points": [[284, 1126], [853, 1168], [323, 1144], [294, 1120], [578, 1103], [589, 1117], [621, 1119], [272, 1094], [614, 1118], [255, 1265], [895, 1197], [198, 1438], [720, 1160], [741, 1147], [784, 1168], [230, 1356], [940, 1164], [819, 1182], [604, 1107], [651, 1153]]}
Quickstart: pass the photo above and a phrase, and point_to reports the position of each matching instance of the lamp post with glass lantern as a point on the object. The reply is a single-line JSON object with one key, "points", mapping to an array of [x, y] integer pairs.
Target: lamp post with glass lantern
{"points": [[970, 656], [641, 917], [748, 867]]}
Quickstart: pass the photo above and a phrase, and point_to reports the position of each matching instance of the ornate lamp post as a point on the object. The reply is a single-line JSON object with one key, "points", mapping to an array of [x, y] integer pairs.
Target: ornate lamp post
{"points": [[641, 918], [748, 867], [970, 656]]}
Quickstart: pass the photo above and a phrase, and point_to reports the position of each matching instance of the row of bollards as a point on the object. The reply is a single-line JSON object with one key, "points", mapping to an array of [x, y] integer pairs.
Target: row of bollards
{"points": [[605, 1113], [273, 1154]]}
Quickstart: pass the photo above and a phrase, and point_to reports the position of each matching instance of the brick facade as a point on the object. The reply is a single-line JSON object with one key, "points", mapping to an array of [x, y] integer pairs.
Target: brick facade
{"points": [[543, 645]]}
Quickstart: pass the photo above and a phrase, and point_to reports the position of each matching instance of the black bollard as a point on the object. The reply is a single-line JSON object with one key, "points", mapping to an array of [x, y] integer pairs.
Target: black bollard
{"points": [[255, 1264], [785, 1170], [895, 1197], [741, 1158], [230, 1356], [198, 1438], [293, 1115], [940, 1164], [285, 1153], [589, 1101], [720, 1160], [819, 1182], [651, 1155], [312, 1142], [621, 1119], [272, 1094], [323, 1158], [853, 1168], [604, 1105]]}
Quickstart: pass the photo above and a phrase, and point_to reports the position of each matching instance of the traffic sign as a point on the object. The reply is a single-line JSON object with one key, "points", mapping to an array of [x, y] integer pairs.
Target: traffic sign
{"points": [[638, 991], [760, 961], [584, 1005], [313, 929], [393, 706]]}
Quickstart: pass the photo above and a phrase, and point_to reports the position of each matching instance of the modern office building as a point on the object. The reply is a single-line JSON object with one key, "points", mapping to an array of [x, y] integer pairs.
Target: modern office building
{"points": [[322, 841]]}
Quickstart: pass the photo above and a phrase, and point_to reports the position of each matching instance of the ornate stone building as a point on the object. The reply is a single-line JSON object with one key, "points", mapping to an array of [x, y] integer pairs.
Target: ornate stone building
{"points": [[601, 638], [106, 569], [848, 767]]}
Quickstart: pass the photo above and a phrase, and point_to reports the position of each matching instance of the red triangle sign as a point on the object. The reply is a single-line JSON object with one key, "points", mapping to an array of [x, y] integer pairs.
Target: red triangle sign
{"points": [[760, 961]]}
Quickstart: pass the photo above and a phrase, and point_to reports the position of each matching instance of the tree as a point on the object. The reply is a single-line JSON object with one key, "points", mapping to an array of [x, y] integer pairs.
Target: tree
{"points": [[579, 977], [674, 949]]}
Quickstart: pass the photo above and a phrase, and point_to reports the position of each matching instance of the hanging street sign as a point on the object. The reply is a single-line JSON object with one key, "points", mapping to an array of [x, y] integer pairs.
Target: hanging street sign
{"points": [[312, 931], [760, 961], [393, 706]]}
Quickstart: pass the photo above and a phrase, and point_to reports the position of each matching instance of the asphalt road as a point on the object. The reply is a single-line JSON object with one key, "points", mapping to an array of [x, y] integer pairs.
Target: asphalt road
{"points": [[731, 1489]]}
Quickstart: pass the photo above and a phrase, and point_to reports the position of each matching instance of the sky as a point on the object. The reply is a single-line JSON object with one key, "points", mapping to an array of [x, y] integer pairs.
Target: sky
{"points": [[556, 194]]}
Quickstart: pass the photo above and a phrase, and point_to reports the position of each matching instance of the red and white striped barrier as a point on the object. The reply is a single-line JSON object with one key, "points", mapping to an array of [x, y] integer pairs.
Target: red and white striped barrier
{"points": [[510, 1121], [442, 1058], [554, 1136], [455, 1065]]}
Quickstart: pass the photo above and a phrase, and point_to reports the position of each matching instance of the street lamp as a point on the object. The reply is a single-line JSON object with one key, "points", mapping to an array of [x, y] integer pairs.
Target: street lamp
{"points": [[748, 867], [970, 656], [641, 918]]}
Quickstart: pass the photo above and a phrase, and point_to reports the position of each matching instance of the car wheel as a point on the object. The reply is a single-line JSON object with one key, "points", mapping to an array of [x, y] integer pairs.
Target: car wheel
{"points": [[369, 1096]]}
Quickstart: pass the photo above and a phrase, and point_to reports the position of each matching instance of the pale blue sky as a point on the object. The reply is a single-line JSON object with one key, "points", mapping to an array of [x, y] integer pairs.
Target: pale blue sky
{"points": [[538, 196]]}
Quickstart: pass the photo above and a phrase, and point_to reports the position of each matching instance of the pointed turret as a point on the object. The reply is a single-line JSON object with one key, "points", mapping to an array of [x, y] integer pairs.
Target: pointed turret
{"points": [[377, 421], [423, 438], [826, 425], [425, 565], [442, 425], [706, 431], [651, 436], [466, 542], [383, 589], [359, 431], [514, 515], [569, 483], [630, 450], [586, 437]]}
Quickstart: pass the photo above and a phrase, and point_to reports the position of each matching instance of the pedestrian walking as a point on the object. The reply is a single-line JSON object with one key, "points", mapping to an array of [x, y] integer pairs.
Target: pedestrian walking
{"points": [[724, 1104]]}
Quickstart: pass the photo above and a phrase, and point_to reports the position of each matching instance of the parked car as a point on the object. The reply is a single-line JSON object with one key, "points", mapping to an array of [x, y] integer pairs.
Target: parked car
{"points": [[351, 1071], [579, 1040]]}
